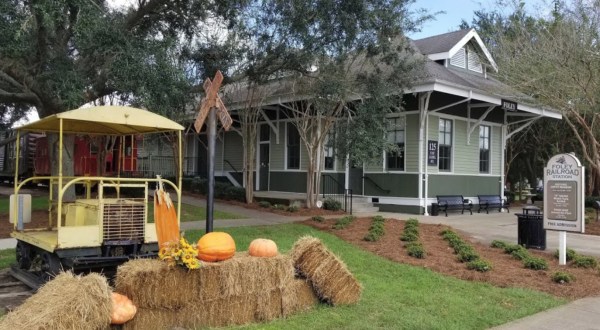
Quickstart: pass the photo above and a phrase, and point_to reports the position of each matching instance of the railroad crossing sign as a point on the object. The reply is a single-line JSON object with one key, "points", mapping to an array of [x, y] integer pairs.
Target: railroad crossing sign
{"points": [[212, 100]]}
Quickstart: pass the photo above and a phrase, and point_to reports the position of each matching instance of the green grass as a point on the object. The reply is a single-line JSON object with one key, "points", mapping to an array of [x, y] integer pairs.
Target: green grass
{"points": [[7, 257], [194, 213], [397, 296], [37, 203]]}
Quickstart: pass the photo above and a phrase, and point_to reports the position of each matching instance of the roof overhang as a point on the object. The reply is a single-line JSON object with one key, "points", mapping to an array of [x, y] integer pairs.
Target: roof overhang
{"points": [[470, 35], [107, 120]]}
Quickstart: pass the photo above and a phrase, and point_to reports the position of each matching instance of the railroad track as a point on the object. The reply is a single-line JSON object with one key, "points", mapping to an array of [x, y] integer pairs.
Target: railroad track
{"points": [[12, 292]]}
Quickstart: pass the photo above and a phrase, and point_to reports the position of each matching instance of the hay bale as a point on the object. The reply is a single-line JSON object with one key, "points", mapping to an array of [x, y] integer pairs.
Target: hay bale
{"points": [[298, 296], [329, 276], [233, 310], [152, 284], [66, 302]]}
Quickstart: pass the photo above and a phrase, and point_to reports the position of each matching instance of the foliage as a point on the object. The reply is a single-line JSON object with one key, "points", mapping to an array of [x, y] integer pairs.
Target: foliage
{"points": [[180, 253], [467, 255], [332, 204], [417, 295], [7, 257], [222, 190], [585, 262], [416, 250], [409, 236], [265, 204], [520, 254], [280, 207], [479, 265], [535, 263], [292, 208], [318, 218], [571, 254], [376, 230], [562, 277], [344, 222], [509, 249], [498, 244]]}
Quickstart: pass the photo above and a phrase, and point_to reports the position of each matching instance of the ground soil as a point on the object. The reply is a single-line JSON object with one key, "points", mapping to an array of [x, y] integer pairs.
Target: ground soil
{"points": [[39, 219], [506, 272]]}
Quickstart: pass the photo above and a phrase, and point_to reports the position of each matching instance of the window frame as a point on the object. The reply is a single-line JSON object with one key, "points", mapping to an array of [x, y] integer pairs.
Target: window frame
{"points": [[288, 146], [482, 139], [401, 154], [447, 144], [329, 148]]}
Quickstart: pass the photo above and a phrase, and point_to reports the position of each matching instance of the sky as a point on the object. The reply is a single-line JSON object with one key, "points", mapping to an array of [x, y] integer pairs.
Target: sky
{"points": [[457, 10]]}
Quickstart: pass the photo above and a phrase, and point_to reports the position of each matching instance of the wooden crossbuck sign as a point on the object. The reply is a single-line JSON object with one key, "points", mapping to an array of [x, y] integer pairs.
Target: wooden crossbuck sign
{"points": [[212, 100]]}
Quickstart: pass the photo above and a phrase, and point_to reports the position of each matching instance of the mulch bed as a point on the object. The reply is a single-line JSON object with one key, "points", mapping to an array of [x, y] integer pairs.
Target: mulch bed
{"points": [[39, 219], [506, 272]]}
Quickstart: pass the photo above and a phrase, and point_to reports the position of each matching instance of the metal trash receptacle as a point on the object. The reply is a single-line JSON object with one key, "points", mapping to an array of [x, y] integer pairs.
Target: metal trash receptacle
{"points": [[531, 233], [435, 209]]}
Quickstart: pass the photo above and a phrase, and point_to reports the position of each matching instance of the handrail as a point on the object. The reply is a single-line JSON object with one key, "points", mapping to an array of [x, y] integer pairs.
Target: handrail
{"points": [[228, 163], [334, 180], [387, 191]]}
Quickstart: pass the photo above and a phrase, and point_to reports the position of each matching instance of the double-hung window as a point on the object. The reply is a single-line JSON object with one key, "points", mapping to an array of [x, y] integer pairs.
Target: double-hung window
{"points": [[293, 147], [445, 145], [484, 149], [395, 135], [329, 150]]}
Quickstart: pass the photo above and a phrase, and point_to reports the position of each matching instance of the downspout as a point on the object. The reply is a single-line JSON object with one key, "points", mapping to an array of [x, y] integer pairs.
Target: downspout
{"points": [[423, 106]]}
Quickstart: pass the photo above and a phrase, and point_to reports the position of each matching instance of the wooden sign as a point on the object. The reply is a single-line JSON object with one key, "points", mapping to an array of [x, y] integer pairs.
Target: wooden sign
{"points": [[563, 194], [212, 100]]}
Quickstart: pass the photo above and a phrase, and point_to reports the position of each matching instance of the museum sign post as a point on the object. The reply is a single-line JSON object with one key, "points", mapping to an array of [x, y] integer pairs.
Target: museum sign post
{"points": [[564, 198]]}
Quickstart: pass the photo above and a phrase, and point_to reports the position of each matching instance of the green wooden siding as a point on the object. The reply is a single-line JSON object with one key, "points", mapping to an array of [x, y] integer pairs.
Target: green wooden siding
{"points": [[466, 185], [234, 152], [288, 181], [398, 184], [496, 152], [277, 151], [411, 153]]}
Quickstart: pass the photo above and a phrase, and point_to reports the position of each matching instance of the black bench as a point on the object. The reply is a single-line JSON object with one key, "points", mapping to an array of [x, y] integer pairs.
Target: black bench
{"points": [[454, 202], [493, 201]]}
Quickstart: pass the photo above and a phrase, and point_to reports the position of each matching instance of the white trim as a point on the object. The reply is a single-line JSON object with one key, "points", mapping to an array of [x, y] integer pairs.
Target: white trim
{"points": [[452, 146], [285, 153], [489, 150]]}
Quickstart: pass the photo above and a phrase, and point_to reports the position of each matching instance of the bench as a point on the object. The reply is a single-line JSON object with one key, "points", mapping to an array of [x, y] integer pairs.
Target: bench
{"points": [[491, 201], [454, 202]]}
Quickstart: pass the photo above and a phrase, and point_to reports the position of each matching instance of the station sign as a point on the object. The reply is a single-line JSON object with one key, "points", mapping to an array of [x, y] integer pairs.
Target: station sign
{"points": [[563, 194], [508, 105]]}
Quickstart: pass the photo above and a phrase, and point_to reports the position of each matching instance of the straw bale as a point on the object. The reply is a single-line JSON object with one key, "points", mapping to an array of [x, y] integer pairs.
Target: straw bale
{"points": [[66, 302], [152, 284], [298, 296], [330, 278], [233, 310]]}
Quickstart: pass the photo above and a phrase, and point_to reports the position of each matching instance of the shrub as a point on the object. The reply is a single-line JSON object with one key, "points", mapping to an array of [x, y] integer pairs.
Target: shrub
{"points": [[411, 222], [562, 277], [498, 244], [479, 265], [509, 249], [318, 218], [520, 254], [343, 222], [409, 237], [589, 200], [585, 262], [371, 237], [378, 218], [265, 204], [467, 255], [411, 230], [449, 235], [415, 250], [293, 208], [462, 247], [332, 204], [535, 263], [234, 193], [571, 254], [279, 207]]}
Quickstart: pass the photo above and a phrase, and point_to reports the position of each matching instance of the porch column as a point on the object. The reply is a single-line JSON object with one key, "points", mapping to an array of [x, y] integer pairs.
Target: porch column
{"points": [[423, 106]]}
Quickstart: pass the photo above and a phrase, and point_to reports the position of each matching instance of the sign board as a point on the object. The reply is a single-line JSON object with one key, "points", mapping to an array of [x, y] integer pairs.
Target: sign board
{"points": [[508, 105], [432, 153], [212, 100], [563, 194]]}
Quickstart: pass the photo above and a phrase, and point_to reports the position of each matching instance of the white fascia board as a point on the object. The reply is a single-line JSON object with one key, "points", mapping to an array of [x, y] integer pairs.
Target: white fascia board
{"points": [[439, 56], [540, 111], [470, 35]]}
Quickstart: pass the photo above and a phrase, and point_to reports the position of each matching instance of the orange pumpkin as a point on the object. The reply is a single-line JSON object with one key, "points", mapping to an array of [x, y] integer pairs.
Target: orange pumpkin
{"points": [[261, 247], [123, 309], [216, 246]]}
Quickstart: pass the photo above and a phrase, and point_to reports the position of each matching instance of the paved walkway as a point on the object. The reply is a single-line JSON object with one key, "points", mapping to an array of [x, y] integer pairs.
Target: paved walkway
{"points": [[580, 314]]}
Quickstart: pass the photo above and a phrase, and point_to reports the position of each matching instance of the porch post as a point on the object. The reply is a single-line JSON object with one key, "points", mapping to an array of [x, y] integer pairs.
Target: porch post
{"points": [[423, 106]]}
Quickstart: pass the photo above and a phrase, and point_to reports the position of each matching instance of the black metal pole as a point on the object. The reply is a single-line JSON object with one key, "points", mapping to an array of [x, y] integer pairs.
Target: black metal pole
{"points": [[210, 198]]}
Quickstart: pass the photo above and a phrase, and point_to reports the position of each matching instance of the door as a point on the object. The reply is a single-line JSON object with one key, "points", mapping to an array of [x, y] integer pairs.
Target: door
{"points": [[356, 180], [263, 157]]}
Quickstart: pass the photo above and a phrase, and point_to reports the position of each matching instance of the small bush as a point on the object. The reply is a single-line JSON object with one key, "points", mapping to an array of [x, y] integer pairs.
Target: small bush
{"points": [[562, 277], [520, 254], [416, 250], [509, 249], [371, 237], [571, 254], [462, 247], [293, 208], [332, 204], [498, 244], [265, 204], [412, 222], [343, 222], [585, 262], [535, 263], [446, 232], [479, 265], [449, 235], [318, 218], [409, 237], [279, 207], [467, 255], [378, 218]]}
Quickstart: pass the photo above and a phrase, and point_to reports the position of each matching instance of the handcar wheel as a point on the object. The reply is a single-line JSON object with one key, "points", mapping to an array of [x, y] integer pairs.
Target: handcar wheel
{"points": [[23, 255], [50, 266]]}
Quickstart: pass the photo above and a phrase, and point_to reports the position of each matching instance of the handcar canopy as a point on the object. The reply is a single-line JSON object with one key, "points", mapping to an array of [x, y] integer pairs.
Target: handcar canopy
{"points": [[106, 120]]}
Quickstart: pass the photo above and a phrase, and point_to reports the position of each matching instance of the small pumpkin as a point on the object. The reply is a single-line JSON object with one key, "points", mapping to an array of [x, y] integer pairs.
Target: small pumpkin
{"points": [[123, 309], [216, 246], [262, 247]]}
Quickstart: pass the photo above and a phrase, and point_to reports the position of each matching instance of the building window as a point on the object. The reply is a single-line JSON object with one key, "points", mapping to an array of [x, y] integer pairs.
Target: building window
{"points": [[484, 149], [445, 145], [293, 147], [395, 135], [329, 150], [459, 59]]}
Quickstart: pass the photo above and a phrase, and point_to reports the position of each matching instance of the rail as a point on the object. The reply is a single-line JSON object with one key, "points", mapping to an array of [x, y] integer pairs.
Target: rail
{"points": [[332, 189], [387, 191], [232, 167]]}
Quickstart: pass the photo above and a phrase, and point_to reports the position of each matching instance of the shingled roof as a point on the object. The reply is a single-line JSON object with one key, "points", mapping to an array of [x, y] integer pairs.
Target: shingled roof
{"points": [[441, 43]]}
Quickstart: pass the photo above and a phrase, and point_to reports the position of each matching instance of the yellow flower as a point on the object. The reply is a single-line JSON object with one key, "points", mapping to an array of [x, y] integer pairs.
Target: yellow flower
{"points": [[193, 264], [163, 252], [190, 250]]}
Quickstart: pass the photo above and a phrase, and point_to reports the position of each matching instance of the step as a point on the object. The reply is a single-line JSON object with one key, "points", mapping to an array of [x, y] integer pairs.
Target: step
{"points": [[371, 209]]}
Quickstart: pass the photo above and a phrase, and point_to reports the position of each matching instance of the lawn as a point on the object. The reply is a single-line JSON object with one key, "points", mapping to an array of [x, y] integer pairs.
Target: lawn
{"points": [[194, 213], [7, 257], [396, 295], [37, 203]]}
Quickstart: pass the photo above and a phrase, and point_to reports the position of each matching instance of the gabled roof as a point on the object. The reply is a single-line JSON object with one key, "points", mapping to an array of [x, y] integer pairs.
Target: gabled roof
{"points": [[444, 46]]}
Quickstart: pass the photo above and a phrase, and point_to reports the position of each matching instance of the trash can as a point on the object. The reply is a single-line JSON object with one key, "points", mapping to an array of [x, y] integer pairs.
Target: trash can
{"points": [[531, 233], [434, 209]]}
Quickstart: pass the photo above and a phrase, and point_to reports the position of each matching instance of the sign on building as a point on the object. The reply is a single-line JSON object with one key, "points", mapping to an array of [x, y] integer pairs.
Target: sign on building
{"points": [[508, 105], [563, 194], [432, 153]]}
